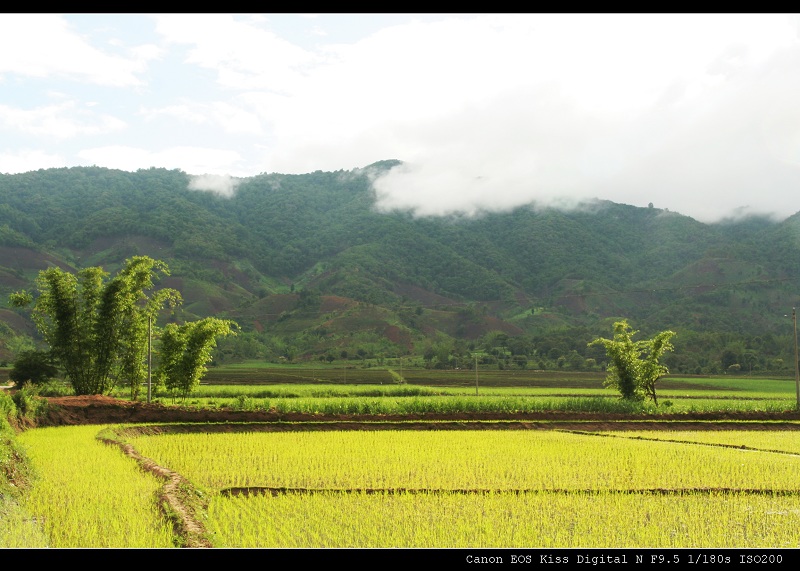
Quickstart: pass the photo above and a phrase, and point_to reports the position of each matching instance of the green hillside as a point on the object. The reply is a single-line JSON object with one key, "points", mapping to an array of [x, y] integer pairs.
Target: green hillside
{"points": [[311, 270]]}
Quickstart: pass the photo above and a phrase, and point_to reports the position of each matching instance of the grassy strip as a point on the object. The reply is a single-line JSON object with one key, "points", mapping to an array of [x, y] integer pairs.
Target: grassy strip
{"points": [[374, 390], [17, 527], [454, 404]]}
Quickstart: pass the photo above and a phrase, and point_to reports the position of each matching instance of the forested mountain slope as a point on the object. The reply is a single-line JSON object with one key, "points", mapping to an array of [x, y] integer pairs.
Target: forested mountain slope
{"points": [[311, 269]]}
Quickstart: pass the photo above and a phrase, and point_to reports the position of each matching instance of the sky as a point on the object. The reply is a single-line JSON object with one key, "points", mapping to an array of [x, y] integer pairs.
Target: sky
{"points": [[695, 113]]}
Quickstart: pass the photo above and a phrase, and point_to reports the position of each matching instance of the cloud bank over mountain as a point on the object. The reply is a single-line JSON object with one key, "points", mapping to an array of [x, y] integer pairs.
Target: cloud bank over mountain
{"points": [[692, 112]]}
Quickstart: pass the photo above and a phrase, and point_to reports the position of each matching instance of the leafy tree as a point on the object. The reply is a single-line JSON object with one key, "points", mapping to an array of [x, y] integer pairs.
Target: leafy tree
{"points": [[728, 358], [32, 366], [95, 327], [187, 349], [16, 344], [635, 367]]}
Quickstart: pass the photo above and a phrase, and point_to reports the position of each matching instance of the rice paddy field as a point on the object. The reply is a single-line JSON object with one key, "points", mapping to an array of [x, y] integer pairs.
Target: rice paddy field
{"points": [[301, 487], [88, 494], [530, 520], [488, 489]]}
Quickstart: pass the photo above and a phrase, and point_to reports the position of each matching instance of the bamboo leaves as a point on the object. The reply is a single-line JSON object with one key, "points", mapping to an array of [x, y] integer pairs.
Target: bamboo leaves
{"points": [[634, 367], [186, 350], [96, 327]]}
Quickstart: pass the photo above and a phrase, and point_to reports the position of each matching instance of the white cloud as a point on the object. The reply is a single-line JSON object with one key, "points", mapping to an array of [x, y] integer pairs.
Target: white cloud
{"points": [[59, 121], [231, 118], [44, 45], [244, 55], [29, 160], [693, 112], [221, 185], [650, 124]]}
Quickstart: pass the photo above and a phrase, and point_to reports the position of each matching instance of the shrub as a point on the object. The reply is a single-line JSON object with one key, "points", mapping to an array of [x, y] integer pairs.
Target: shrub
{"points": [[55, 388], [7, 409], [28, 401], [244, 402], [33, 366]]}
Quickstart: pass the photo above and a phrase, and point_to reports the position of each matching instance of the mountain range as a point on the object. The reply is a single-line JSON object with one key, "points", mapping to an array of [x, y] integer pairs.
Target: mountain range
{"points": [[310, 269]]}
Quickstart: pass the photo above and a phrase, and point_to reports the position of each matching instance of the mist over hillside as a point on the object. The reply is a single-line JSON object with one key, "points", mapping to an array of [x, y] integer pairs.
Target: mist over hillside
{"points": [[312, 269]]}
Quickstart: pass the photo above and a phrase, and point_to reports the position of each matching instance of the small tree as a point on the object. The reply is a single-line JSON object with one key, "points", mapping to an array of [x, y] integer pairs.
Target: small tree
{"points": [[32, 366], [186, 350], [634, 367]]}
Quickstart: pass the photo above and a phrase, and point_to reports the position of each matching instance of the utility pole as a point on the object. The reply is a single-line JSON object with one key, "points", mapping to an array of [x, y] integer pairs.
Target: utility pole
{"points": [[149, 358], [796, 362], [476, 375]]}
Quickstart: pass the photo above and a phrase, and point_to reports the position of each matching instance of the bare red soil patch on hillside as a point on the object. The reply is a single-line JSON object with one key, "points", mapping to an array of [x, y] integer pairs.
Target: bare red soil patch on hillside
{"points": [[331, 303]]}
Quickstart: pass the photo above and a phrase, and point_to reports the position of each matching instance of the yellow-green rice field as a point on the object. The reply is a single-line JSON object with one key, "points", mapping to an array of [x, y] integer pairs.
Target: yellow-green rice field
{"points": [[485, 489], [88, 494]]}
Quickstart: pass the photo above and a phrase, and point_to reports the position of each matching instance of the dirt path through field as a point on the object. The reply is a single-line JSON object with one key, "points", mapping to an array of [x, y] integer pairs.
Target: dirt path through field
{"points": [[178, 499]]}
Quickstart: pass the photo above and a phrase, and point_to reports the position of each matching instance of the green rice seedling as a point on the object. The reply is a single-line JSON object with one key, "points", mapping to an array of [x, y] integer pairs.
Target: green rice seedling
{"points": [[543, 520], [727, 383], [253, 372], [88, 494], [735, 405], [17, 527], [495, 460], [498, 489]]}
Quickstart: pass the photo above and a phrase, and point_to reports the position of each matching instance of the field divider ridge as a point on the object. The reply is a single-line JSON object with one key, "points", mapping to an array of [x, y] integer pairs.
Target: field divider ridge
{"points": [[180, 501], [742, 447]]}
